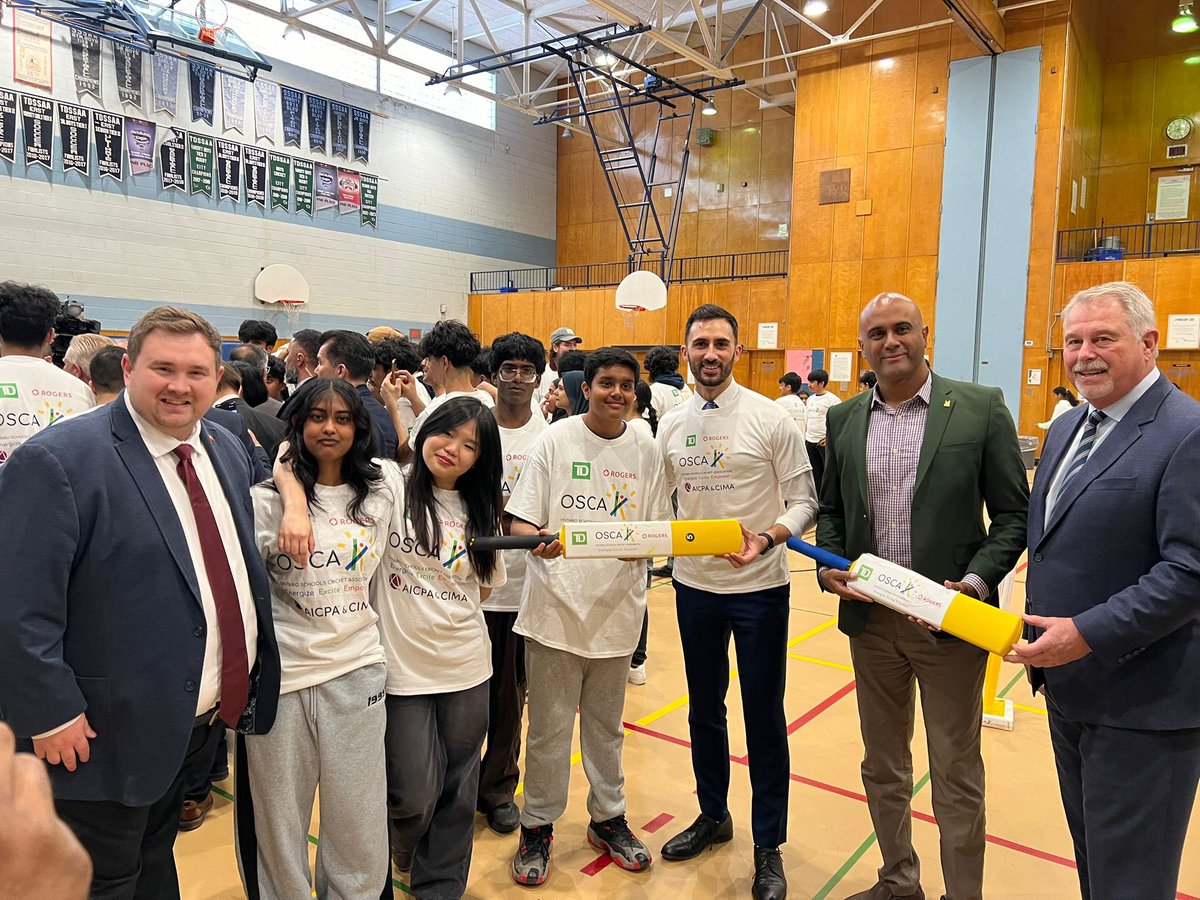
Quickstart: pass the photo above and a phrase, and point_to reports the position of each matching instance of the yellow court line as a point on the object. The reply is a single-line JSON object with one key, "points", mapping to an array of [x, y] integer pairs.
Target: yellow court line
{"points": [[1032, 709], [813, 632], [821, 662]]}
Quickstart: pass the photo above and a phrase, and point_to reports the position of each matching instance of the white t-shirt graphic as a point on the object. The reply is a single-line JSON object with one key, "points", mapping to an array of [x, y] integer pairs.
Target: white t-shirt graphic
{"points": [[34, 394], [516, 443]]}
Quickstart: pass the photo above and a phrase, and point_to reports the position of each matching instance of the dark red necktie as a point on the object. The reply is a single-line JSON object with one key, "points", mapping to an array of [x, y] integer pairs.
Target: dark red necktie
{"points": [[235, 668]]}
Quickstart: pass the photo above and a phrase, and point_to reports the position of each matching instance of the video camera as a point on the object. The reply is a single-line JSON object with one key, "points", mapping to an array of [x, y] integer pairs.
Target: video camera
{"points": [[70, 322]]}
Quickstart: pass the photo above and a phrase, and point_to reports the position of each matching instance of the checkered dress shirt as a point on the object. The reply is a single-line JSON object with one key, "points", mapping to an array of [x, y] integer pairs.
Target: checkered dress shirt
{"points": [[894, 438]]}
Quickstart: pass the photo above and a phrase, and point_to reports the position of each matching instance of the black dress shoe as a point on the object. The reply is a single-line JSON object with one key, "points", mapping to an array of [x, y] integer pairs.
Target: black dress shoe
{"points": [[698, 837], [505, 818], [769, 883]]}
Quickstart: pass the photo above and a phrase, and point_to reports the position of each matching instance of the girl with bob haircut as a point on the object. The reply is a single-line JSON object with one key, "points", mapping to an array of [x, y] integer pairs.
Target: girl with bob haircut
{"points": [[331, 723]]}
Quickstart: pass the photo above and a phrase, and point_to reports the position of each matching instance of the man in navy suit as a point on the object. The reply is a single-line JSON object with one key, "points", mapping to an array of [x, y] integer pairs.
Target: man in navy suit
{"points": [[1113, 599], [135, 617]]}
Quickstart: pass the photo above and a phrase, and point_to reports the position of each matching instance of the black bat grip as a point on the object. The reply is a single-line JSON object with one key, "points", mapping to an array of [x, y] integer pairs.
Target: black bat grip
{"points": [[511, 541]]}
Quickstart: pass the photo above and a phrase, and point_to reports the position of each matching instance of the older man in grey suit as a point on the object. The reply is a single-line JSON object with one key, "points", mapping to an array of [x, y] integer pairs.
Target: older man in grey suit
{"points": [[1113, 597]]}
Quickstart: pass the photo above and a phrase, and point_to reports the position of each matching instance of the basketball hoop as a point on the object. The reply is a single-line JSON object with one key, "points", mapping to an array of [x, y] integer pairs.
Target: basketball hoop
{"points": [[291, 310], [211, 16], [283, 284], [639, 292]]}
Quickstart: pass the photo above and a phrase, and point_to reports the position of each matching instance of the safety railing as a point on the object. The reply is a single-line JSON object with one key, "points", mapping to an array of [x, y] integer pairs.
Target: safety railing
{"points": [[1112, 242]]}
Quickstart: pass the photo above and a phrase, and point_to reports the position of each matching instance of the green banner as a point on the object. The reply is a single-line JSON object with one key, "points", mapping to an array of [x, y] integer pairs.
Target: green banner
{"points": [[200, 163], [370, 201], [281, 179], [302, 171]]}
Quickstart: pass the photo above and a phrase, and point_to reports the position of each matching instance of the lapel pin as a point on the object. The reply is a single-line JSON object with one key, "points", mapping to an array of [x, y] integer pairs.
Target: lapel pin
{"points": [[948, 404]]}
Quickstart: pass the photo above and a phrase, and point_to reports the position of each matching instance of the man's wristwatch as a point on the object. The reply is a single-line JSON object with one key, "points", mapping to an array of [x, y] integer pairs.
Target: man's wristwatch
{"points": [[770, 542]]}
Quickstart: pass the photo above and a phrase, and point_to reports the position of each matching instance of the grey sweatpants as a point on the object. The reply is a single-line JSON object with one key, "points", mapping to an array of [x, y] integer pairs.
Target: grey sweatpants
{"points": [[560, 682], [331, 734]]}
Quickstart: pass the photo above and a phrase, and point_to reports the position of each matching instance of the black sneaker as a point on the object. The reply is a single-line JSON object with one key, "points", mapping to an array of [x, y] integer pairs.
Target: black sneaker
{"points": [[614, 838], [531, 862], [504, 819]]}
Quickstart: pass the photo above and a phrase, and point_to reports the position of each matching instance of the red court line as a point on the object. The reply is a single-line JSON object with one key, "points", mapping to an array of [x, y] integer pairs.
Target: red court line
{"points": [[820, 707], [657, 822]]}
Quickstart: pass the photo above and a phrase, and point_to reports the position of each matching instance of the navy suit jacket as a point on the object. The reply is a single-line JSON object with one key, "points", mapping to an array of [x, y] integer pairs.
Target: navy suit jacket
{"points": [[1121, 556], [100, 610]]}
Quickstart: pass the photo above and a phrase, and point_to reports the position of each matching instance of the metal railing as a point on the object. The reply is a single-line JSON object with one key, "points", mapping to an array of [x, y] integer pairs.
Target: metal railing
{"points": [[725, 267], [1109, 242]]}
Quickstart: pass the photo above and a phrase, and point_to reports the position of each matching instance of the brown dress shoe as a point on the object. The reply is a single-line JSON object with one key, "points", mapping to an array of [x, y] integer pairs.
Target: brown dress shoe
{"points": [[880, 891], [192, 815]]}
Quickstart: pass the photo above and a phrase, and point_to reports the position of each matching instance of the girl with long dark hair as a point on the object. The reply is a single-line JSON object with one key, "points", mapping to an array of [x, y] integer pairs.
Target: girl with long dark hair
{"points": [[330, 726]]}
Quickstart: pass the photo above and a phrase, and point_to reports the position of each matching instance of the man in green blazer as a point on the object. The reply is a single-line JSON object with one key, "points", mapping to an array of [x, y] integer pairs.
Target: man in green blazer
{"points": [[909, 468]]}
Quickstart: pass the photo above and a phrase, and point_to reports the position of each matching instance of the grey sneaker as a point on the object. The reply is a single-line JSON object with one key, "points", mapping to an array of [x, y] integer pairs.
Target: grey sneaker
{"points": [[531, 862], [614, 838]]}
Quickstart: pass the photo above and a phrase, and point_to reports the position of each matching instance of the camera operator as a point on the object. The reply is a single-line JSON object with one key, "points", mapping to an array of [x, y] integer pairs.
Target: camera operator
{"points": [[67, 324], [33, 393]]}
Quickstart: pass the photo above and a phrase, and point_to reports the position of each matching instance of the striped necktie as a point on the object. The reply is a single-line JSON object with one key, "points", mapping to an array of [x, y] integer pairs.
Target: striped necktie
{"points": [[1083, 451]]}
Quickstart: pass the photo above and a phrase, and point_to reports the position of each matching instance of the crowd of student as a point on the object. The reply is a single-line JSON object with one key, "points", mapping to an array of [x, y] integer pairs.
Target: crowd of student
{"points": [[282, 545]]}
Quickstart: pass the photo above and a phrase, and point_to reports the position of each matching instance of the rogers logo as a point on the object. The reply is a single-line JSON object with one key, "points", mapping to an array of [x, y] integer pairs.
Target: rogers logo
{"points": [[395, 581]]}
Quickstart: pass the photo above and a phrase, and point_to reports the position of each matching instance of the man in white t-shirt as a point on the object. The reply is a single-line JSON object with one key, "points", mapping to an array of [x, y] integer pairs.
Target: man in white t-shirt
{"points": [[517, 362], [733, 453], [791, 398], [818, 408], [562, 340], [667, 388], [33, 393], [581, 617], [447, 352]]}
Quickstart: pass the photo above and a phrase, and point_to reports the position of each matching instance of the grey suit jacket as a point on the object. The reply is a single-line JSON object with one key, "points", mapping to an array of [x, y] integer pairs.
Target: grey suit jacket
{"points": [[1121, 556]]}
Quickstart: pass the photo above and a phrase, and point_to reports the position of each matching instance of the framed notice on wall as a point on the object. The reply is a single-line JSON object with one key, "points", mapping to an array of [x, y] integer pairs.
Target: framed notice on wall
{"points": [[1183, 332], [1174, 191]]}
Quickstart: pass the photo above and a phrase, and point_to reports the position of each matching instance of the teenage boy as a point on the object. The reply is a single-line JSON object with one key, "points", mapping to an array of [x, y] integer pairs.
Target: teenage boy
{"points": [[581, 617], [791, 398], [447, 353], [517, 363], [814, 422]]}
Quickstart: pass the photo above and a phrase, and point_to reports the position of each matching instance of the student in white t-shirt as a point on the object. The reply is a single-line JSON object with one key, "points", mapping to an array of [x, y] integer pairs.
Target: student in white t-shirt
{"points": [[517, 361], [428, 593], [447, 353], [814, 424], [580, 617], [791, 398], [330, 725], [34, 394], [666, 384]]}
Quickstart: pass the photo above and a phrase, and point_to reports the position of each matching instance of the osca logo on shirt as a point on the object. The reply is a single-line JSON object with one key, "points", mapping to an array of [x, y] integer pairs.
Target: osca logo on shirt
{"points": [[357, 549], [714, 456], [506, 487], [618, 501], [455, 545]]}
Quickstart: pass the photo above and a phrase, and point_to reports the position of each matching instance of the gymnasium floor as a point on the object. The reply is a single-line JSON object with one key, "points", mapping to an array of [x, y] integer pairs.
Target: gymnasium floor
{"points": [[831, 850]]}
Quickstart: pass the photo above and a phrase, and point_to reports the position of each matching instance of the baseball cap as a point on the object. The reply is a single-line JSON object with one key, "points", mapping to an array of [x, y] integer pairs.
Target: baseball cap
{"points": [[565, 334]]}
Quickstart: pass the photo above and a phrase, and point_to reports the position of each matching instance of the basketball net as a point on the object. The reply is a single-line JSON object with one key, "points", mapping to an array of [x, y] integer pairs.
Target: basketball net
{"points": [[629, 314], [291, 309]]}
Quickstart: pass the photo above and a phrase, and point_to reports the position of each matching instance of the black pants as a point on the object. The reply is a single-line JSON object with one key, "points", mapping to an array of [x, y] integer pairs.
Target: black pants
{"points": [[816, 456], [639, 655], [499, 772], [133, 847], [758, 622], [1128, 795], [199, 779]]}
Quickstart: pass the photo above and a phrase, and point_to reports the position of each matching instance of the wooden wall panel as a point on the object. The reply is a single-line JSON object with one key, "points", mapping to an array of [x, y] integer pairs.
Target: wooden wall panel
{"points": [[853, 100], [847, 224], [932, 87], [924, 220], [892, 93], [889, 185]]}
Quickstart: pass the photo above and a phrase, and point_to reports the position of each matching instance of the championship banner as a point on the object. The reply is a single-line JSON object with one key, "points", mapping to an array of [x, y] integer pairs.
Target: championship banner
{"points": [[166, 83], [33, 60], [280, 173], [370, 201], [339, 124], [361, 123], [139, 138], [229, 170], [85, 57], [302, 173], [293, 113], [108, 132], [37, 125], [233, 102], [8, 125], [317, 122], [129, 73], [201, 77], [74, 123], [349, 192], [255, 167], [171, 165], [200, 164], [266, 94], [326, 186]]}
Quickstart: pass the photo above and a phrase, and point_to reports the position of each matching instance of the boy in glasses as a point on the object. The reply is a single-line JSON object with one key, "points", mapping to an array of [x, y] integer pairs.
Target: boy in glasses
{"points": [[517, 361]]}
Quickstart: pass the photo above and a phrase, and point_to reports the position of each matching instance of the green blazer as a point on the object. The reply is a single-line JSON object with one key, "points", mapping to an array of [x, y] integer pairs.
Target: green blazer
{"points": [[969, 457]]}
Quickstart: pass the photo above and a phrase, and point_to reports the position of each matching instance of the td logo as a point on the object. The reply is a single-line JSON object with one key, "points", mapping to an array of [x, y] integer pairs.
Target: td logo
{"points": [[865, 572], [691, 441], [8, 391], [578, 538], [581, 471]]}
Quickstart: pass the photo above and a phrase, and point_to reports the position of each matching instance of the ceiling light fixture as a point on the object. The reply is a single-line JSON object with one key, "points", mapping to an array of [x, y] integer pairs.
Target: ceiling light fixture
{"points": [[1186, 23], [710, 109], [452, 90], [816, 8]]}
